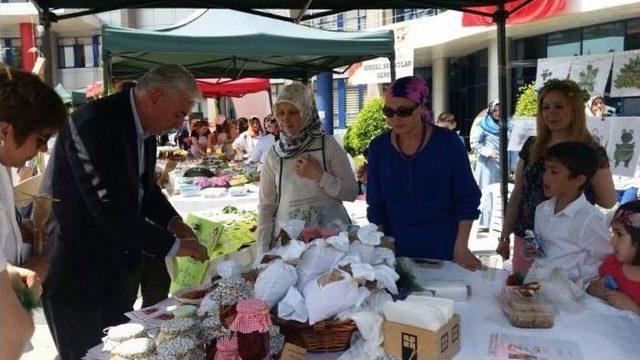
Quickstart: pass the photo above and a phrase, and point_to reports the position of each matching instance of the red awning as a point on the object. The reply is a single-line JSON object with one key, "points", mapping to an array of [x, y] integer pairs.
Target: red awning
{"points": [[231, 88], [536, 10]]}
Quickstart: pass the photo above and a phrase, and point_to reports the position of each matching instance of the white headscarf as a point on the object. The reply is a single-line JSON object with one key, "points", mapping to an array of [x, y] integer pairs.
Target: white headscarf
{"points": [[300, 96]]}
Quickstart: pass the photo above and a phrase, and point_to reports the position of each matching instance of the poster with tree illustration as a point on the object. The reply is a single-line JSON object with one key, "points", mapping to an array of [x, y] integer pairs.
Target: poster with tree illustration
{"points": [[552, 68], [523, 127], [600, 128], [625, 80], [591, 72], [623, 148]]}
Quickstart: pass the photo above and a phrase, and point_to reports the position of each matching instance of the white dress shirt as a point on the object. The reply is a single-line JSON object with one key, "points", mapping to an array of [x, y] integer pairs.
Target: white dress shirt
{"points": [[10, 236], [575, 239]]}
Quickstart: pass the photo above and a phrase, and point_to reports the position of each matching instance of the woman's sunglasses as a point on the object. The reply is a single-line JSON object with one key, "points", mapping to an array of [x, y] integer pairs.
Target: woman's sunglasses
{"points": [[402, 112]]}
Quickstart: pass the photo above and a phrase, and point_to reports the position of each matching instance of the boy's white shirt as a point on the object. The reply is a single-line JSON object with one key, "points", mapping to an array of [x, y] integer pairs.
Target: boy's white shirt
{"points": [[575, 239]]}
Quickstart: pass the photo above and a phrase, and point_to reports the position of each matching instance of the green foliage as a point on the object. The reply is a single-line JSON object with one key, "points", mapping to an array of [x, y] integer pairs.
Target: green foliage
{"points": [[629, 75], [370, 122], [527, 104]]}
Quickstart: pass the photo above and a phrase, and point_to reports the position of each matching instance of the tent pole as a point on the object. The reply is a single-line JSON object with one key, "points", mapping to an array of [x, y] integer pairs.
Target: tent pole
{"points": [[392, 66], [500, 17], [106, 73]]}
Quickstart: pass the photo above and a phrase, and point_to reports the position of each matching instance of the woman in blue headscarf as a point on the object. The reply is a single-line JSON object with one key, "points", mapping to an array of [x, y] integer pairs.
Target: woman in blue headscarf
{"points": [[420, 188], [485, 141]]}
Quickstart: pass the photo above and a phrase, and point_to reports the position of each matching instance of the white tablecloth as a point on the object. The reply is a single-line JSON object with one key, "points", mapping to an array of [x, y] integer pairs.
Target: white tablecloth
{"points": [[601, 331], [199, 203]]}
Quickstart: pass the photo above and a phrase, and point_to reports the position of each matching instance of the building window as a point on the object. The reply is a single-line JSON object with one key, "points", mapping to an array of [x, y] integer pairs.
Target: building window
{"points": [[468, 88], [565, 43], [632, 40], [78, 52], [603, 38]]}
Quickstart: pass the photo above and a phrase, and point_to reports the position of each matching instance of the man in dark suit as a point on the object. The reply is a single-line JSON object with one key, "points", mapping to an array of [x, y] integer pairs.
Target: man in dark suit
{"points": [[112, 216]]}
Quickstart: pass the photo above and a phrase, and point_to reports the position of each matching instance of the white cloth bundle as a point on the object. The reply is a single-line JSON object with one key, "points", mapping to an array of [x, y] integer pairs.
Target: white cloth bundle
{"points": [[364, 252], [292, 251], [449, 289], [383, 256], [324, 302], [293, 228], [430, 318], [363, 272], [293, 306], [340, 241], [369, 235], [319, 258], [386, 278], [273, 282], [370, 326]]}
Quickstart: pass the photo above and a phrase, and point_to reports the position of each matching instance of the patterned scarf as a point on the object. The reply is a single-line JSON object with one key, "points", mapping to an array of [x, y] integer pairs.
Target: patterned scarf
{"points": [[414, 89], [301, 97]]}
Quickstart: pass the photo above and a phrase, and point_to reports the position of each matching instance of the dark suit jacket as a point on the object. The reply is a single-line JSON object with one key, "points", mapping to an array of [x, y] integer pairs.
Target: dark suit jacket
{"points": [[103, 229]]}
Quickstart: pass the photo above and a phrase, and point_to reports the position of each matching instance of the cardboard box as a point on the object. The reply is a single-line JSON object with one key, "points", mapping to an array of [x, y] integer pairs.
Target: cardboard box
{"points": [[412, 343]]}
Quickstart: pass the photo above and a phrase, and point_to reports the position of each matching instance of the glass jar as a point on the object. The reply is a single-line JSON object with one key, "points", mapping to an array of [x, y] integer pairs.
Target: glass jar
{"points": [[254, 346], [227, 348], [253, 325]]}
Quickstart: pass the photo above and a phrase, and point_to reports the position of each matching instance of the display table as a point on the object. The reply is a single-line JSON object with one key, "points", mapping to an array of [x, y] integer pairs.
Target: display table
{"points": [[199, 203], [601, 331]]}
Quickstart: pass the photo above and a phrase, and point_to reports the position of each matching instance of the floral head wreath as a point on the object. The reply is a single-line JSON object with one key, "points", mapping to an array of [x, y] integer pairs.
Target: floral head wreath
{"points": [[568, 87], [628, 218]]}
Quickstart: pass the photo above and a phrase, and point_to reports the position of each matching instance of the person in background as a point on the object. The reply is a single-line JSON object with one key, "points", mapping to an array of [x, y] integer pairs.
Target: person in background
{"points": [[225, 135], [30, 113], [560, 117], [485, 141], [201, 138], [182, 138], [243, 125], [623, 265], [246, 141], [115, 225], [426, 201], [271, 135], [446, 120], [306, 175], [595, 107]]}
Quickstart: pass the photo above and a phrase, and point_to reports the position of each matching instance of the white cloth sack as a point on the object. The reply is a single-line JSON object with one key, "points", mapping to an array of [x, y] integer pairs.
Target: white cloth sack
{"points": [[386, 278], [293, 307], [364, 252], [363, 272], [384, 256], [340, 241], [293, 228], [324, 302], [290, 252], [369, 235], [370, 326], [273, 282], [316, 260], [375, 302]]}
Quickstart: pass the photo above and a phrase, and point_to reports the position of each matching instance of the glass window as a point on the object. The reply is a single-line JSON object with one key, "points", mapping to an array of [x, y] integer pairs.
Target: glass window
{"points": [[529, 48], [565, 43], [632, 40], [603, 38], [68, 57]]}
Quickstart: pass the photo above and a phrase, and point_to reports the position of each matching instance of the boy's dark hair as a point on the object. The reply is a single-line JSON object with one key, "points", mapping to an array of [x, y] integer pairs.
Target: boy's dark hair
{"points": [[634, 232], [578, 157], [28, 104]]}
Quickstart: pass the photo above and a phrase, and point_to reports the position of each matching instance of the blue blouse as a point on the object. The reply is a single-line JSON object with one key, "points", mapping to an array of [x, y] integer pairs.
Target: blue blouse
{"points": [[421, 201]]}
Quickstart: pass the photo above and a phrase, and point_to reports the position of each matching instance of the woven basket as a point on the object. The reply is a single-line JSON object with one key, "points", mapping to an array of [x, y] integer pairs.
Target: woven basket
{"points": [[325, 336]]}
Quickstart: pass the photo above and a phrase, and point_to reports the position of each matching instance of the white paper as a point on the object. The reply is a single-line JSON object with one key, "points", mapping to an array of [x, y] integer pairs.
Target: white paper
{"points": [[510, 346], [622, 149], [622, 84], [450, 289], [522, 128], [552, 68], [591, 72], [600, 129]]}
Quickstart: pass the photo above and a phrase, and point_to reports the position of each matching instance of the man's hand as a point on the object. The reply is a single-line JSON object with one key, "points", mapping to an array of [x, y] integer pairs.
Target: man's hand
{"points": [[309, 167], [504, 247], [181, 230], [192, 248]]}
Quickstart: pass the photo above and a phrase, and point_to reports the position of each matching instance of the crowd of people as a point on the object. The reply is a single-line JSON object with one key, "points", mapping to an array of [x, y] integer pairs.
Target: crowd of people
{"points": [[115, 228]]}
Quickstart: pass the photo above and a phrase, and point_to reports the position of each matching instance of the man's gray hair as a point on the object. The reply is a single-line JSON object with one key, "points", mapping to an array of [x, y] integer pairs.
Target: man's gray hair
{"points": [[172, 79]]}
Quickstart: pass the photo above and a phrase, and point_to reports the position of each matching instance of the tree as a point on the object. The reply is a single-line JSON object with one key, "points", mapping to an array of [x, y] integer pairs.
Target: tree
{"points": [[370, 122], [527, 104]]}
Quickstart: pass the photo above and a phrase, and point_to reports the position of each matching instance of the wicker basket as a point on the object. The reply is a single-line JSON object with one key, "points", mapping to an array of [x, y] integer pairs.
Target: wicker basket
{"points": [[325, 336]]}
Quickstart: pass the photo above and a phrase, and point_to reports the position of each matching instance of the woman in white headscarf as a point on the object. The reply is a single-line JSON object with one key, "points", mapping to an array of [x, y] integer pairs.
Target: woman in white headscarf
{"points": [[306, 174]]}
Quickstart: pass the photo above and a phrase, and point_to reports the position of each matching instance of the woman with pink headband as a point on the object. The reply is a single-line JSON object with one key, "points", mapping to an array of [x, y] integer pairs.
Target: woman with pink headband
{"points": [[420, 187]]}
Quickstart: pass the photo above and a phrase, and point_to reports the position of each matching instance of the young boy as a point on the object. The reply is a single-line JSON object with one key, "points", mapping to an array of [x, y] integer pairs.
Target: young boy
{"points": [[572, 233]]}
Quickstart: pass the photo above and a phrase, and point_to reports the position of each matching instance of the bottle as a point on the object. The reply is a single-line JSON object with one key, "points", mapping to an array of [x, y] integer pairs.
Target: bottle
{"points": [[531, 239]]}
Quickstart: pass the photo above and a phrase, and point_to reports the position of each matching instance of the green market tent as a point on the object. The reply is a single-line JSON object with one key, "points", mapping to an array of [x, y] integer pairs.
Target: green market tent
{"points": [[63, 93], [232, 44]]}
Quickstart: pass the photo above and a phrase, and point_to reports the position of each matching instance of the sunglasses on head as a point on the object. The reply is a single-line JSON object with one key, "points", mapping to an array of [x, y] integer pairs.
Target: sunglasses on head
{"points": [[402, 112]]}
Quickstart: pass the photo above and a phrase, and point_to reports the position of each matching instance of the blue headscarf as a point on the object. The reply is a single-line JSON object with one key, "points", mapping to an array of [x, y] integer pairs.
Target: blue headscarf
{"points": [[490, 124]]}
